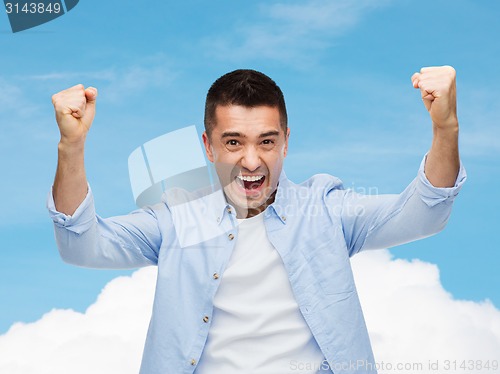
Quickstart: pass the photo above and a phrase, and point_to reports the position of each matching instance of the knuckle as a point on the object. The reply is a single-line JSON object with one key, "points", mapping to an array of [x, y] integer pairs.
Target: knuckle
{"points": [[450, 70]]}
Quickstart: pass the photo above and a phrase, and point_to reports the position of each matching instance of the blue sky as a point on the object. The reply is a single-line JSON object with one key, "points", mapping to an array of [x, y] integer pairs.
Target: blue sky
{"points": [[345, 70]]}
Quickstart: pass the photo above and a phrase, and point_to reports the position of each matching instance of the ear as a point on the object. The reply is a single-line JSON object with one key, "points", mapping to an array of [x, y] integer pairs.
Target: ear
{"points": [[208, 146], [285, 149]]}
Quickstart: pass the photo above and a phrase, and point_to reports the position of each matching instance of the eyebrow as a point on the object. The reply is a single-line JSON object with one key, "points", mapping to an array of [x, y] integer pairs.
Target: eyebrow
{"points": [[229, 134], [269, 133]]}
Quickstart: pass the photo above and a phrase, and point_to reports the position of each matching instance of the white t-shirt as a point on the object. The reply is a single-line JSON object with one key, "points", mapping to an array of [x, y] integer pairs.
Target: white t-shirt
{"points": [[257, 326]]}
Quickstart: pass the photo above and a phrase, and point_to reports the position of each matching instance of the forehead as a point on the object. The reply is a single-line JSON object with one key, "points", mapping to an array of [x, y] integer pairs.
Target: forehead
{"points": [[246, 120]]}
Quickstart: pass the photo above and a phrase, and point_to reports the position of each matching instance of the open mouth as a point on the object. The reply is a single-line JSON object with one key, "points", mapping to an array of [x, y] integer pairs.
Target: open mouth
{"points": [[250, 182]]}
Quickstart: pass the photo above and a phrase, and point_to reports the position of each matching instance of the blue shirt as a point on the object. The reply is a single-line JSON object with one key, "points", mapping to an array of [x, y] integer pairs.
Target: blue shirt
{"points": [[315, 226]]}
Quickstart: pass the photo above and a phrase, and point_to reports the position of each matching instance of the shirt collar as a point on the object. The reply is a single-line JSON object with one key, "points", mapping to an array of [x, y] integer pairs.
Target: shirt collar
{"points": [[217, 205], [278, 207]]}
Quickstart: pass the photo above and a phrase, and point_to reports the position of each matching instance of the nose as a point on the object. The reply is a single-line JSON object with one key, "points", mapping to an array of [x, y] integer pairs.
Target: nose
{"points": [[251, 159]]}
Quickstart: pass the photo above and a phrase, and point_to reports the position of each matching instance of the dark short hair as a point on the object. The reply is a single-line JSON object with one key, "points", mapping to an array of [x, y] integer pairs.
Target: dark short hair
{"points": [[245, 87]]}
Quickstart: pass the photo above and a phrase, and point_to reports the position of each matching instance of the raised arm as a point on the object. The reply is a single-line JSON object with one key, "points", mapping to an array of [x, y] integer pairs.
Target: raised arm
{"points": [[423, 208], [438, 89], [84, 238], [75, 111]]}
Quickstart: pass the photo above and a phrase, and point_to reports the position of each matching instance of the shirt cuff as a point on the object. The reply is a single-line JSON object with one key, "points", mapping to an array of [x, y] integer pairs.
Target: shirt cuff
{"points": [[80, 221], [434, 195]]}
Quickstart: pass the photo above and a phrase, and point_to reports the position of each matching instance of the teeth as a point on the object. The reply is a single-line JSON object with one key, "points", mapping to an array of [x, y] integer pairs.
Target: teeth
{"points": [[250, 178]]}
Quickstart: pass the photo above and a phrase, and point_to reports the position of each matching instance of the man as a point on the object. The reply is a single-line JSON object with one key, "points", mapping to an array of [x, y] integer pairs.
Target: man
{"points": [[270, 289]]}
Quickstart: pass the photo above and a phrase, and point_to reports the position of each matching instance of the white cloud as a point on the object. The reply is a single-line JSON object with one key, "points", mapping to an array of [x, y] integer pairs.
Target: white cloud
{"points": [[411, 320], [107, 338], [287, 31]]}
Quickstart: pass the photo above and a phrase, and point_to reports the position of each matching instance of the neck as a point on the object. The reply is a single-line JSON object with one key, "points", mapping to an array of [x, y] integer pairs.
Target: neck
{"points": [[247, 212]]}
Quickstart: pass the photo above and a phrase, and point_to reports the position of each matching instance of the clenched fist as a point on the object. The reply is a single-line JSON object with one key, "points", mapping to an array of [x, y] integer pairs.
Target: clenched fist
{"points": [[75, 111], [438, 90]]}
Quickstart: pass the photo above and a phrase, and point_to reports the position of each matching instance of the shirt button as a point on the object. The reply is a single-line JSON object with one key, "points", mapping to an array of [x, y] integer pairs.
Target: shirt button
{"points": [[193, 361], [229, 210], [205, 319], [283, 218], [230, 236], [216, 276]]}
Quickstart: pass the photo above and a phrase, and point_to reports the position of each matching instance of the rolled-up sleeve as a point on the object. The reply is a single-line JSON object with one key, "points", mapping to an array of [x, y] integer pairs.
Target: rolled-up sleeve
{"points": [[80, 221], [383, 221], [122, 242], [435, 195]]}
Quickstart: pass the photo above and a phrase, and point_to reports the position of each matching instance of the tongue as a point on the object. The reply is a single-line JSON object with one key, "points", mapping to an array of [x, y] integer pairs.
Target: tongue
{"points": [[252, 185]]}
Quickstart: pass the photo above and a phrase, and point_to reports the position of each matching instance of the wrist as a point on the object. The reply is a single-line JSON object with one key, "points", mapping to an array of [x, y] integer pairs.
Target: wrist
{"points": [[66, 146], [446, 129]]}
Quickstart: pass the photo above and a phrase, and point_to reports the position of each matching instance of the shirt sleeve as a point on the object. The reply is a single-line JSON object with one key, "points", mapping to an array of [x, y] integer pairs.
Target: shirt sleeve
{"points": [[85, 239], [383, 221]]}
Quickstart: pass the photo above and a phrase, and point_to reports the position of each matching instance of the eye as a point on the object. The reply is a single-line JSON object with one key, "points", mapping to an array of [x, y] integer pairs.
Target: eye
{"points": [[232, 143], [268, 142]]}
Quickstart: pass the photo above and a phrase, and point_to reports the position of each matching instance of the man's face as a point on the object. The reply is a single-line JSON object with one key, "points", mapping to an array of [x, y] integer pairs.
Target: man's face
{"points": [[247, 146]]}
